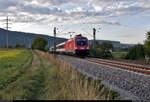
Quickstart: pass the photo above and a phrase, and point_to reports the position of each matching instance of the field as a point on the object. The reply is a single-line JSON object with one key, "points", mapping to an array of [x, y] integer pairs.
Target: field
{"points": [[12, 65], [38, 75], [119, 55], [9, 54]]}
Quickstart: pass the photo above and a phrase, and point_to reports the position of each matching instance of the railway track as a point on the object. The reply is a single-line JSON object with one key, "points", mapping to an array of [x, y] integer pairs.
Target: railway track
{"points": [[142, 69], [121, 65], [132, 81]]}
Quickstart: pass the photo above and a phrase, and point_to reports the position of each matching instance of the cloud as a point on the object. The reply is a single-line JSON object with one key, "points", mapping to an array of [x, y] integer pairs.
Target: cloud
{"points": [[99, 22], [75, 11]]}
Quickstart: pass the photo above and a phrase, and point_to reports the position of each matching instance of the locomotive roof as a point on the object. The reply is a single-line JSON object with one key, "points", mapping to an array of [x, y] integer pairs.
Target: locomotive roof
{"points": [[80, 37]]}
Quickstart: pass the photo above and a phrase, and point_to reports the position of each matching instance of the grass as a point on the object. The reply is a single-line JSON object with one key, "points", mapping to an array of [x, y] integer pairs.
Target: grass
{"points": [[28, 86], [13, 65], [69, 84], [49, 79], [119, 55]]}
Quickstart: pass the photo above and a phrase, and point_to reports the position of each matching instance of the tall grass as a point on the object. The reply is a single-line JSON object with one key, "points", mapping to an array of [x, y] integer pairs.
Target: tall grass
{"points": [[75, 86]]}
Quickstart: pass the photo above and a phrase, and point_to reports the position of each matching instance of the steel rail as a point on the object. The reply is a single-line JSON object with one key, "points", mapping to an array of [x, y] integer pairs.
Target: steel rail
{"points": [[119, 65]]}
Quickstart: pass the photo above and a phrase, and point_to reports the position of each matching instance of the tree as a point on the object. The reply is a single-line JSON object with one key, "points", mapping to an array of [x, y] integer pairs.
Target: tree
{"points": [[147, 43], [105, 45], [92, 47], [39, 43], [101, 53], [136, 52]]}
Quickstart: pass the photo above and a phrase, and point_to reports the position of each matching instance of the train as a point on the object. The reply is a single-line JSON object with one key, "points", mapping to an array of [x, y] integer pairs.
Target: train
{"points": [[78, 45]]}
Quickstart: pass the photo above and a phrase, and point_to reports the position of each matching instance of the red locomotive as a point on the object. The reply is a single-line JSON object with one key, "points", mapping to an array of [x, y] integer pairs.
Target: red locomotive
{"points": [[78, 45]]}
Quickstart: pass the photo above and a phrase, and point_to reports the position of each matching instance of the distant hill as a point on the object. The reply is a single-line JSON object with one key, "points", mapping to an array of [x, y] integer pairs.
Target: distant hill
{"points": [[15, 37], [100, 41], [117, 45]]}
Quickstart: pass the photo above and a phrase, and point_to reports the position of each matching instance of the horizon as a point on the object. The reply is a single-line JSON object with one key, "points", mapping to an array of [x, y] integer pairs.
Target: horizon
{"points": [[62, 37], [124, 21]]}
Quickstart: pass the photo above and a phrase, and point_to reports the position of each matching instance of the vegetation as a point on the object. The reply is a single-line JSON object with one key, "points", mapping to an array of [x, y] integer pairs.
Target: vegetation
{"points": [[12, 65], [103, 50], [70, 84], [48, 78], [106, 46], [39, 43], [136, 53], [119, 55], [8, 54], [147, 43], [5, 46], [139, 51], [20, 46]]}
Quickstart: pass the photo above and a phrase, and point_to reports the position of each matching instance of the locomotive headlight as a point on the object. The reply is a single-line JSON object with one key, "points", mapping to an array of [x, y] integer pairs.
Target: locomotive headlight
{"points": [[88, 47]]}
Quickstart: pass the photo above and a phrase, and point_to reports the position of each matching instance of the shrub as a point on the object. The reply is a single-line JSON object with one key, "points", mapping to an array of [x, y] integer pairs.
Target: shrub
{"points": [[102, 50], [46, 48], [136, 52], [106, 45], [20, 46], [39, 43], [147, 43]]}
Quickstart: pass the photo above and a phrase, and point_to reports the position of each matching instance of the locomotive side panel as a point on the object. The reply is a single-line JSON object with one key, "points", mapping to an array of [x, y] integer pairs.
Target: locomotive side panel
{"points": [[70, 47]]}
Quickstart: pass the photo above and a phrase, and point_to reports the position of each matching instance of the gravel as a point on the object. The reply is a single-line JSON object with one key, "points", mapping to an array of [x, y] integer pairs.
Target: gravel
{"points": [[130, 85]]}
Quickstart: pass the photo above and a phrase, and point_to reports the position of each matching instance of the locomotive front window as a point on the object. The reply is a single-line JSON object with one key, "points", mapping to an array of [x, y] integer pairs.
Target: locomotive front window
{"points": [[81, 42]]}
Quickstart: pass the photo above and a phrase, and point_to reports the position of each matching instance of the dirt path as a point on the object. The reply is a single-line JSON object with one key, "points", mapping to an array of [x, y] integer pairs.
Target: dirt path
{"points": [[36, 62]]}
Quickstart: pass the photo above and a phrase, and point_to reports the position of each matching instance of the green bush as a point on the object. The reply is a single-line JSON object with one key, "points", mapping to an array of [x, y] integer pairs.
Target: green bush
{"points": [[147, 43], [106, 45], [136, 52], [5, 46], [46, 49], [20, 46], [102, 50]]}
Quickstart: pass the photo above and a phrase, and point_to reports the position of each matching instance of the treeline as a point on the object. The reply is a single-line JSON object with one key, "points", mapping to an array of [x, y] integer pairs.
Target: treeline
{"points": [[16, 46], [139, 51]]}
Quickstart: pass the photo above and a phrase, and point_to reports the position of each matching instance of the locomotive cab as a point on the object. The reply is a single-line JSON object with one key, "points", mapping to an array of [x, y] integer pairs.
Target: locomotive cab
{"points": [[81, 46]]}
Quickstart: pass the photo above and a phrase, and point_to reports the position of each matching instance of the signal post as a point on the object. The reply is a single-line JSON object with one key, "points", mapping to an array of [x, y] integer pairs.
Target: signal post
{"points": [[94, 42]]}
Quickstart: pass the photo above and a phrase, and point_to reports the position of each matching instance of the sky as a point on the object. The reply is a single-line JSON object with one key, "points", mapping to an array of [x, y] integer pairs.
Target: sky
{"points": [[126, 21]]}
